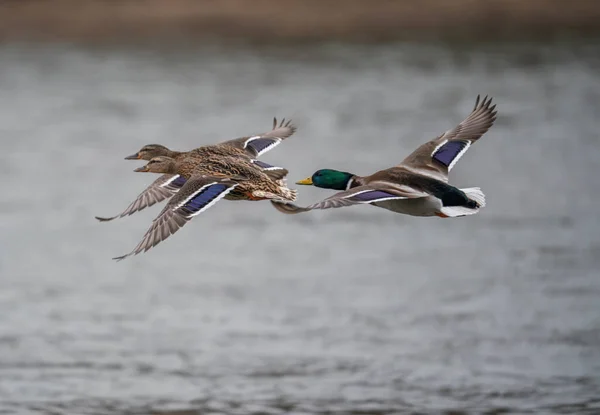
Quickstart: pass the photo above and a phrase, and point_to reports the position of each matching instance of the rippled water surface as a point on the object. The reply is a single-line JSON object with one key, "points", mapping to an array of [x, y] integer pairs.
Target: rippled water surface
{"points": [[245, 310]]}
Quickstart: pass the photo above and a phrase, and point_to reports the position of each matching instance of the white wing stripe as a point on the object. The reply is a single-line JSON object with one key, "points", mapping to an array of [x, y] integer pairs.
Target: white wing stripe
{"points": [[372, 190], [212, 202], [254, 137], [356, 194], [438, 147], [381, 199], [459, 155], [349, 185], [276, 141], [269, 147], [171, 180], [271, 168], [194, 194]]}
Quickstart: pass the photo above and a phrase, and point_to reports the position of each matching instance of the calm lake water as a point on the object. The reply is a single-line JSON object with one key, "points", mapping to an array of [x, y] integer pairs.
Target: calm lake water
{"points": [[348, 311]]}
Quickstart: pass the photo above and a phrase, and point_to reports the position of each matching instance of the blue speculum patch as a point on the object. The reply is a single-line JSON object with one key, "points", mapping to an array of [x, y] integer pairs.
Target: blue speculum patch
{"points": [[372, 196], [448, 152], [260, 144], [178, 182], [205, 197]]}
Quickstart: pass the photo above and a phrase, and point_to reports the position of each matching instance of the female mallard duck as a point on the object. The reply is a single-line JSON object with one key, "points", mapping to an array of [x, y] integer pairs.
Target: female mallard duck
{"points": [[246, 147], [419, 185], [205, 184]]}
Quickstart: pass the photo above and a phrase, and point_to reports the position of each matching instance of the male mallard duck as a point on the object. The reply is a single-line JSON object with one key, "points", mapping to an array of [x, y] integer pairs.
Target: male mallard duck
{"points": [[205, 184], [419, 185], [246, 147]]}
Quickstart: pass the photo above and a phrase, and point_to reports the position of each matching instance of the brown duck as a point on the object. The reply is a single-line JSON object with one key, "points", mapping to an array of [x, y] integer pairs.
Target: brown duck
{"points": [[205, 184], [248, 148]]}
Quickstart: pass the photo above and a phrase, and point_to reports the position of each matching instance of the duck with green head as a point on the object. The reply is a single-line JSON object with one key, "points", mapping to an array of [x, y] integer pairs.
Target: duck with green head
{"points": [[248, 148], [418, 186], [329, 179]]}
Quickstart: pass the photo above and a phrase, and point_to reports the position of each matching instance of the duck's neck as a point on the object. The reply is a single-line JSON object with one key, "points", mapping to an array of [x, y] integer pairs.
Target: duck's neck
{"points": [[184, 168], [174, 154]]}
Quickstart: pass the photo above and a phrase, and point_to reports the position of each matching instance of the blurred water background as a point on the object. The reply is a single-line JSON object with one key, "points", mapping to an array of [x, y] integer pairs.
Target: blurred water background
{"points": [[348, 311]]}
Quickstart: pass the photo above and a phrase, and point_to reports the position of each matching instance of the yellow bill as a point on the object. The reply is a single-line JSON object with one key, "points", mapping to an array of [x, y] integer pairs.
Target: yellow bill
{"points": [[308, 181]]}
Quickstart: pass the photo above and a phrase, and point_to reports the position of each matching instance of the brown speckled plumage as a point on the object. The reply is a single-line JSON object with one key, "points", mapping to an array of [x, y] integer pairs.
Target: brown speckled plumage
{"points": [[250, 179], [164, 187], [206, 183]]}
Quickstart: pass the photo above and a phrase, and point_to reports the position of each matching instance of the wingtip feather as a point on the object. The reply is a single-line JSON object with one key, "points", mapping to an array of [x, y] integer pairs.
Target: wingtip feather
{"points": [[120, 258], [101, 219]]}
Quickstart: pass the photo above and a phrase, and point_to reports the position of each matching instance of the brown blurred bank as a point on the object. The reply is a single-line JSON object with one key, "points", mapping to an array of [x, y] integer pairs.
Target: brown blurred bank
{"points": [[299, 20]]}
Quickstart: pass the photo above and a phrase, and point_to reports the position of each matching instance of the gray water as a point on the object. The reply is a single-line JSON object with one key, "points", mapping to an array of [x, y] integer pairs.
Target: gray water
{"points": [[245, 310]]}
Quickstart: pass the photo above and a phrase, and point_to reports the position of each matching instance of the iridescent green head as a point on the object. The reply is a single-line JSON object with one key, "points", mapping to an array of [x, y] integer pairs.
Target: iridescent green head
{"points": [[328, 179]]}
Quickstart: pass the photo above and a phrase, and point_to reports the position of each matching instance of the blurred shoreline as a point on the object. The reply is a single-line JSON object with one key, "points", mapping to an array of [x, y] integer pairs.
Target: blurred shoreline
{"points": [[295, 20]]}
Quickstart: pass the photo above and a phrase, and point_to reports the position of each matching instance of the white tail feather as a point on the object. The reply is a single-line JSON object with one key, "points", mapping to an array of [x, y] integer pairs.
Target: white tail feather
{"points": [[473, 193]]}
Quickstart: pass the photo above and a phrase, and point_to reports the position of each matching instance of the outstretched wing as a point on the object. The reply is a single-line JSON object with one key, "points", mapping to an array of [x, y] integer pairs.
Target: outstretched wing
{"points": [[437, 157], [360, 195], [198, 194], [257, 145], [162, 188]]}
